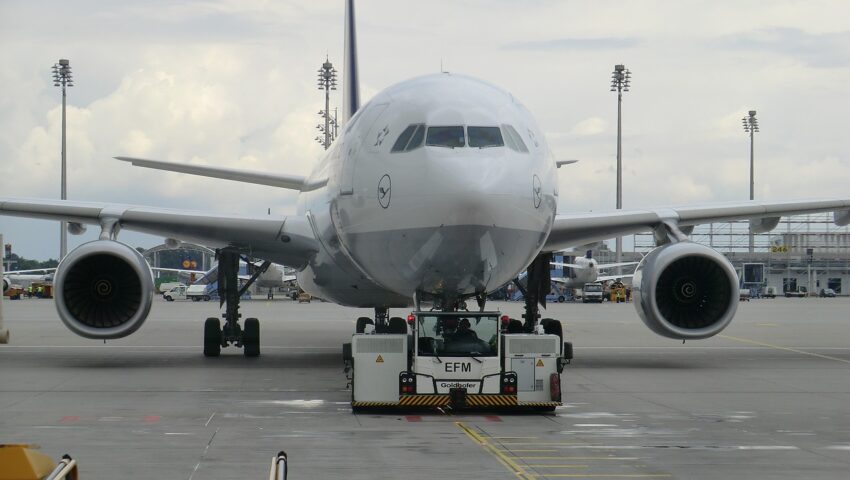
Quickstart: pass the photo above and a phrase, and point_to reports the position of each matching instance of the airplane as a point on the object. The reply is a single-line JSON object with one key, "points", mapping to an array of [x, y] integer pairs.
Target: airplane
{"points": [[26, 277], [586, 270], [441, 188]]}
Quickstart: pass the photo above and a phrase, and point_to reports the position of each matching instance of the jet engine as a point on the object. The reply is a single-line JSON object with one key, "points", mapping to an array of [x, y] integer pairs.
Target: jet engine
{"points": [[5, 284], [685, 290], [103, 289]]}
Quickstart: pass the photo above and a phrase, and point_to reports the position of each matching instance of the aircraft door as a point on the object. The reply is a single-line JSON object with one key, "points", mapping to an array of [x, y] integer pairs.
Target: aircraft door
{"points": [[362, 124]]}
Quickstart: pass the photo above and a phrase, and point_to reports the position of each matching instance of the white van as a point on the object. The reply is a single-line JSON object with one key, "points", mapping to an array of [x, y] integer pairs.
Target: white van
{"points": [[175, 293]]}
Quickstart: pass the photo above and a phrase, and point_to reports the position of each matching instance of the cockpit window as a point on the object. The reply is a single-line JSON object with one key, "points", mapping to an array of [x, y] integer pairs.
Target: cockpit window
{"points": [[445, 137], [410, 138], [416, 140], [483, 137], [401, 143], [513, 140]]}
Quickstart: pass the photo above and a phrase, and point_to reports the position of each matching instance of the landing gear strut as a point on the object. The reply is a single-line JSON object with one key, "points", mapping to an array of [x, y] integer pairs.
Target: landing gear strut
{"points": [[229, 292], [538, 284]]}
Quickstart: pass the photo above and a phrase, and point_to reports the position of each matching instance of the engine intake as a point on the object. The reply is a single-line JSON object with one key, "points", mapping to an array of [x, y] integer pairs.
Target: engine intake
{"points": [[686, 291], [6, 284], [103, 289]]}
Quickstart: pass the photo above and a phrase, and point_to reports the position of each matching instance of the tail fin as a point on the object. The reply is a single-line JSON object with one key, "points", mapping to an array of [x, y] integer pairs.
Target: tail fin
{"points": [[350, 81]]}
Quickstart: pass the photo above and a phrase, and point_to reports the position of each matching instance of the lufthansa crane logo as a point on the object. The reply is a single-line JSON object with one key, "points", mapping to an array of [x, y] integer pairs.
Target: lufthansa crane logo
{"points": [[385, 191], [536, 191]]}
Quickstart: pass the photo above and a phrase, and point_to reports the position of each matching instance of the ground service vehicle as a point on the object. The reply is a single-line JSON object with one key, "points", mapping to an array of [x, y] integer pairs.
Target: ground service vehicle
{"points": [[457, 360], [199, 292], [800, 292], [175, 293], [769, 292], [592, 292]]}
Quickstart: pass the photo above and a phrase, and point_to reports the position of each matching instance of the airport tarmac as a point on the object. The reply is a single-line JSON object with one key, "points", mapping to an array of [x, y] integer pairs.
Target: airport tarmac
{"points": [[769, 398]]}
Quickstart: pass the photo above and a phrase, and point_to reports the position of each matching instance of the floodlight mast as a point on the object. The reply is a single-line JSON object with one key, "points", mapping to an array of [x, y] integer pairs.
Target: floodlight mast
{"points": [[62, 77], [621, 79], [751, 126], [327, 82]]}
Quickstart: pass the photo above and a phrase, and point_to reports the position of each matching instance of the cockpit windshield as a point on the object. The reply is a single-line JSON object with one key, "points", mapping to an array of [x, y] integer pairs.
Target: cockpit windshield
{"points": [[450, 137], [484, 137], [457, 335]]}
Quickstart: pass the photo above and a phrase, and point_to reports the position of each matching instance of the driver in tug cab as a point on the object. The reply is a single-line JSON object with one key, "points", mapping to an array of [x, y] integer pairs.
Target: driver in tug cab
{"points": [[464, 331]]}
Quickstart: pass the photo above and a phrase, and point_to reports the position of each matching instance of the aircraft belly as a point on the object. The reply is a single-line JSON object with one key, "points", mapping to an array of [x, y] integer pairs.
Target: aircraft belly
{"points": [[446, 260], [324, 279]]}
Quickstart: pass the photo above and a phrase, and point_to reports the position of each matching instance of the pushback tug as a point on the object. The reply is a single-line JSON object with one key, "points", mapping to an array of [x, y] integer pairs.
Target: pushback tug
{"points": [[457, 360]]}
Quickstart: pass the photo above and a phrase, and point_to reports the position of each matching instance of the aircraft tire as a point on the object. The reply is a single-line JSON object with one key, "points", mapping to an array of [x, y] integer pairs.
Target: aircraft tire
{"points": [[360, 327], [251, 338], [552, 327], [212, 337]]}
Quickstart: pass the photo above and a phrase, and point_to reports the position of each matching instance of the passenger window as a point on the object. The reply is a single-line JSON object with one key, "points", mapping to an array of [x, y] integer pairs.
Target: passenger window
{"points": [[403, 139], [445, 137], [483, 137], [513, 140], [416, 141]]}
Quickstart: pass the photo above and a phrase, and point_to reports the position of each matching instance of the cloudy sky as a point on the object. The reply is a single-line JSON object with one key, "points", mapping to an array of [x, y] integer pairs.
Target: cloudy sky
{"points": [[231, 83]]}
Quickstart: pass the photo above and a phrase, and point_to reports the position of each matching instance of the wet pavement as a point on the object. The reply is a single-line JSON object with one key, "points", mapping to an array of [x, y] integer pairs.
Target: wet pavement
{"points": [[769, 398]]}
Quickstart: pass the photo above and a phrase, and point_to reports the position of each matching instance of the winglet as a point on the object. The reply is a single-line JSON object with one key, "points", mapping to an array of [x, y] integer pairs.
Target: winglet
{"points": [[350, 78]]}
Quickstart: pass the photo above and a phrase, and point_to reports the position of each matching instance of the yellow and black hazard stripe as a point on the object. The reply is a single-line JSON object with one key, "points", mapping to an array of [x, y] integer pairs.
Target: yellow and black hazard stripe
{"points": [[491, 401], [374, 404], [424, 400], [540, 404]]}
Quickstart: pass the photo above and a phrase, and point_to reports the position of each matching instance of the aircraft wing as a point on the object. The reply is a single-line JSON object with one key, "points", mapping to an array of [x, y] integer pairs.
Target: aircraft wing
{"points": [[287, 240], [34, 270], [579, 229], [605, 278], [294, 182]]}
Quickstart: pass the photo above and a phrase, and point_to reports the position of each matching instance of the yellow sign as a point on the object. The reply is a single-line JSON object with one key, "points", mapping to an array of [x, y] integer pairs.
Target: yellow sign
{"points": [[539, 362], [380, 359]]}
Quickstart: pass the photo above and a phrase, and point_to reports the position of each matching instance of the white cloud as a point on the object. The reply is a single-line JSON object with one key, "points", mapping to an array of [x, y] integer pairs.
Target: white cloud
{"points": [[231, 83], [590, 126]]}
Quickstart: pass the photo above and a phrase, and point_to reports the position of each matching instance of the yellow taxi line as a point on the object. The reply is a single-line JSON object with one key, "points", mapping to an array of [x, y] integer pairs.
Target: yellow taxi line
{"points": [[503, 459]]}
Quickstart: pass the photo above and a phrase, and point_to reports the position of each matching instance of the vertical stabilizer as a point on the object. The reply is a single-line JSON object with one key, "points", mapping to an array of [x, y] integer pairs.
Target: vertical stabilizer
{"points": [[350, 81]]}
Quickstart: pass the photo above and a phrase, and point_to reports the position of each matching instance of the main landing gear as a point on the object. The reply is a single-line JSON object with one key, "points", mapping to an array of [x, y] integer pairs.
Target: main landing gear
{"points": [[229, 292]]}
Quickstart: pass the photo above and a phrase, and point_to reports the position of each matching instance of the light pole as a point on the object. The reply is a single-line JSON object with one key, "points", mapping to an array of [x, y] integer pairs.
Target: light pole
{"points": [[751, 126], [620, 81], [327, 82], [62, 78]]}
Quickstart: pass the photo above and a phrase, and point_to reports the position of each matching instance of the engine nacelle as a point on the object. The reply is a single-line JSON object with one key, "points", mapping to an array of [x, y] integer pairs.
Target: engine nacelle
{"points": [[685, 291], [103, 289], [6, 284]]}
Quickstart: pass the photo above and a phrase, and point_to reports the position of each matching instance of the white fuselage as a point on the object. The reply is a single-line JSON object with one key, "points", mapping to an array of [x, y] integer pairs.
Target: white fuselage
{"points": [[587, 271], [450, 222]]}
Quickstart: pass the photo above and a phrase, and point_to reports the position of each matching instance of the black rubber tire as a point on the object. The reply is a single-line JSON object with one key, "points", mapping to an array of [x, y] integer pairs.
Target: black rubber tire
{"points": [[552, 327], [397, 325], [169, 299], [212, 337], [561, 299], [568, 350], [360, 327], [251, 338], [206, 298]]}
